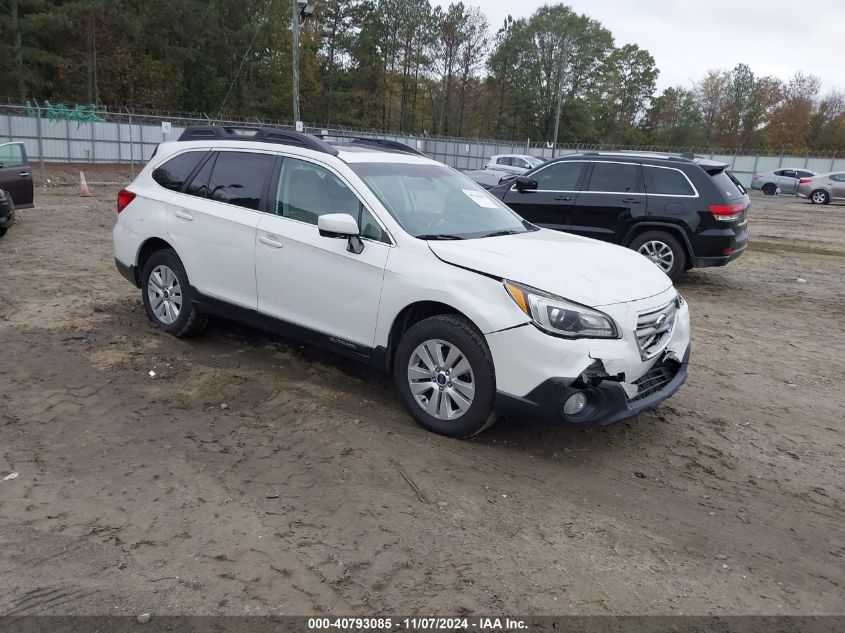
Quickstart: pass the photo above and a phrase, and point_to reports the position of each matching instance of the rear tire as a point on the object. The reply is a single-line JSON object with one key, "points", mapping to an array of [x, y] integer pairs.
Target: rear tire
{"points": [[664, 250], [770, 189], [168, 297], [3, 231], [819, 196], [444, 372]]}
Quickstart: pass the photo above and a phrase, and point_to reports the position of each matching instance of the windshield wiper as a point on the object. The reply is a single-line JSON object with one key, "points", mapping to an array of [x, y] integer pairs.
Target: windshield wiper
{"points": [[439, 236], [502, 232]]}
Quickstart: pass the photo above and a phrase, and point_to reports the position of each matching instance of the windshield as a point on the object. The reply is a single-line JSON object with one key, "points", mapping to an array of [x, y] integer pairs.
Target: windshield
{"points": [[436, 202]]}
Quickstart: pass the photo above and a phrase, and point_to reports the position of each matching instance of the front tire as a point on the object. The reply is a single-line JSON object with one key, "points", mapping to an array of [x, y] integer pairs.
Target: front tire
{"points": [[819, 196], [168, 297], [664, 250], [444, 372]]}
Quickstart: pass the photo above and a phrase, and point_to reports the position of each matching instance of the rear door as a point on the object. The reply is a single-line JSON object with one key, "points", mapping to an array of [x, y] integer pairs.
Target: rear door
{"points": [[613, 197], [213, 221], [15, 174], [788, 180], [550, 204]]}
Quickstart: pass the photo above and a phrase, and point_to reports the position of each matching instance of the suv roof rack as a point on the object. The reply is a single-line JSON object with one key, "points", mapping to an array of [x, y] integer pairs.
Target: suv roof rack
{"points": [[257, 135], [377, 143]]}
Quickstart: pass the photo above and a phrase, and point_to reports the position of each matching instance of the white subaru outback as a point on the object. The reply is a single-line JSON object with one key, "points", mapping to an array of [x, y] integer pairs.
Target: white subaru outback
{"points": [[372, 250]]}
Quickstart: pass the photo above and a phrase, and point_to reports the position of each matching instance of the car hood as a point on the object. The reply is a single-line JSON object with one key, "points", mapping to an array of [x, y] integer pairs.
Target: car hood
{"points": [[580, 269]]}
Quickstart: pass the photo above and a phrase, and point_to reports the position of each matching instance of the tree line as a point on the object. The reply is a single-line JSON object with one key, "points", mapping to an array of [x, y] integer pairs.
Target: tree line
{"points": [[400, 66]]}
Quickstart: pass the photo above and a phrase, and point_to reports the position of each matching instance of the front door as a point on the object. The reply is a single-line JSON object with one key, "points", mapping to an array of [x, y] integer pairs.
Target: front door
{"points": [[15, 174], [788, 180], [612, 198], [548, 205], [314, 281]]}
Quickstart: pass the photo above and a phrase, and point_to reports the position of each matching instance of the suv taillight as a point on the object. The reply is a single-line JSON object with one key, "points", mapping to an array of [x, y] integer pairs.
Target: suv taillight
{"points": [[804, 181], [757, 176], [727, 212], [124, 197]]}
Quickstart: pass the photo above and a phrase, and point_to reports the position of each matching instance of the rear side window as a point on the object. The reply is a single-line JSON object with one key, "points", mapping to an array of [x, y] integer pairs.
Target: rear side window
{"points": [[806, 174], [727, 184], [667, 182], [559, 177], [238, 178], [614, 177], [173, 174], [199, 183]]}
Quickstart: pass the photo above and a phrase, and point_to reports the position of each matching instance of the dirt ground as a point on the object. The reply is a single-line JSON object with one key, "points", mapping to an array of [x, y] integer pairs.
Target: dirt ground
{"points": [[254, 476]]}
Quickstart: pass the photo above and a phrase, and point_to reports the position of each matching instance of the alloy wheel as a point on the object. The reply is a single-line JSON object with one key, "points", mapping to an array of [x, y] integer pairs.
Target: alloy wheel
{"points": [[441, 379], [819, 197], [165, 294], [660, 253]]}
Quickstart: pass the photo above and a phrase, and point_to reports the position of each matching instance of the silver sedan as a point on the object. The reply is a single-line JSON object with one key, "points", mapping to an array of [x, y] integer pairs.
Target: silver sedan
{"points": [[822, 189], [784, 180]]}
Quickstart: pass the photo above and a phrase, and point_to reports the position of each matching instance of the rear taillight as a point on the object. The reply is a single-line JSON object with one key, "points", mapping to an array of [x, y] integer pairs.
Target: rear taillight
{"points": [[727, 212], [124, 197], [804, 181], [756, 176]]}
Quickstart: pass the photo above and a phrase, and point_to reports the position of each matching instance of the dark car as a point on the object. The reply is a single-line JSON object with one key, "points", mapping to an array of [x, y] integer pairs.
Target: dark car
{"points": [[16, 175], [7, 213], [681, 211]]}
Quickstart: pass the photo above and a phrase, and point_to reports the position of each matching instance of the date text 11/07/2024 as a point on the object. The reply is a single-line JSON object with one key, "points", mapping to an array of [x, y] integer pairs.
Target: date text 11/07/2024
{"points": [[482, 624]]}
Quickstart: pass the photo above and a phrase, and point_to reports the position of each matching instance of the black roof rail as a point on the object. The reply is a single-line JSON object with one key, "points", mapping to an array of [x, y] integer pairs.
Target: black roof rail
{"points": [[378, 143], [688, 155], [257, 135]]}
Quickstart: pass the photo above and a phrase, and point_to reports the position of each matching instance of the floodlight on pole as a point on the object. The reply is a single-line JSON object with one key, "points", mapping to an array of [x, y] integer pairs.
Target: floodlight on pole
{"points": [[301, 10]]}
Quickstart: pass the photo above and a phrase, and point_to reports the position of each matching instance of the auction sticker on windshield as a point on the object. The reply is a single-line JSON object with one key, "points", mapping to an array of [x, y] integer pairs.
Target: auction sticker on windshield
{"points": [[479, 198]]}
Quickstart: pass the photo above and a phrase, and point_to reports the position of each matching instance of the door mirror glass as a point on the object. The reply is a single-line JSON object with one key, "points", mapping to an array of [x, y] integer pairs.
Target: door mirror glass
{"points": [[525, 184]]}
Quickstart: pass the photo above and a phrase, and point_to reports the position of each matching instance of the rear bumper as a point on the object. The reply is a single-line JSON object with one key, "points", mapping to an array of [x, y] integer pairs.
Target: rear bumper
{"points": [[709, 262], [127, 271], [607, 401]]}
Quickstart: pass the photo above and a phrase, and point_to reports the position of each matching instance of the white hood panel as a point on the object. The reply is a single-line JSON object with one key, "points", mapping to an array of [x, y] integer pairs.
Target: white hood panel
{"points": [[580, 269]]}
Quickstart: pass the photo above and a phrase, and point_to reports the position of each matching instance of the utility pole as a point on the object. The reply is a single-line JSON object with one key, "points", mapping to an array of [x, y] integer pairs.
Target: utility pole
{"points": [[294, 29], [559, 103]]}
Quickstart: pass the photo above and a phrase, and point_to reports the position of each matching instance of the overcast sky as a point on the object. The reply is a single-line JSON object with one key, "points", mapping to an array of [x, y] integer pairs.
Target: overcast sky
{"points": [[689, 37]]}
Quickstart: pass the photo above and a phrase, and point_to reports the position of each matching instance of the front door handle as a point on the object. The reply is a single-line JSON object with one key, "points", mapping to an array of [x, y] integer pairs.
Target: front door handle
{"points": [[269, 241], [562, 198], [631, 200], [184, 215], [23, 174]]}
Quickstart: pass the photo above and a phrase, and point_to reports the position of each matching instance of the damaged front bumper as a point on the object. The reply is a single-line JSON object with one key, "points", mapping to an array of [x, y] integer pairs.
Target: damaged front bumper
{"points": [[537, 373], [606, 400]]}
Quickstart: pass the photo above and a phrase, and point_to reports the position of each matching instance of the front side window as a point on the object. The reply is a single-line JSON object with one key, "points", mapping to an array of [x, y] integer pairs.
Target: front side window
{"points": [[838, 177], [11, 155], [238, 178], [173, 173], [614, 177], [306, 191], [435, 202], [790, 173], [518, 162], [561, 176], [667, 182]]}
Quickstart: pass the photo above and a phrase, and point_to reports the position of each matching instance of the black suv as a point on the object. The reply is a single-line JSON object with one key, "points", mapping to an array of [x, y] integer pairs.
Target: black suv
{"points": [[681, 211]]}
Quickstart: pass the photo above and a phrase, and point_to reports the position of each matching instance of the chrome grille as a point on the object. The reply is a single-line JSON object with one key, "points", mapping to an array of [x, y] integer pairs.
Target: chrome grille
{"points": [[655, 327]]}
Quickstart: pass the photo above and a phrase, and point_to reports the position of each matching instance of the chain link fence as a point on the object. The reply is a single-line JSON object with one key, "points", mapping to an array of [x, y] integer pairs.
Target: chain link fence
{"points": [[92, 134]]}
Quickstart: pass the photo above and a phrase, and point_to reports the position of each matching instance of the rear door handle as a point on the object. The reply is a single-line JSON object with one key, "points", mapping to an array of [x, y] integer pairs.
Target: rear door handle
{"points": [[184, 215], [562, 198], [631, 200], [271, 242]]}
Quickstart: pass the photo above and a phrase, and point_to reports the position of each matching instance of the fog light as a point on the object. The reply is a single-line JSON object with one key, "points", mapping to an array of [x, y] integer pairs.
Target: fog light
{"points": [[575, 403]]}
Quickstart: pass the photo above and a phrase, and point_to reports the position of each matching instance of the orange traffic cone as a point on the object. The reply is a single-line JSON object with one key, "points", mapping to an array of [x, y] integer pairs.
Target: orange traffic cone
{"points": [[83, 186]]}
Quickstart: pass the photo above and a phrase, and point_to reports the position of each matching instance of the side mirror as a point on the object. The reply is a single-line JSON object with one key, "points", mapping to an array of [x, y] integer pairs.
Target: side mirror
{"points": [[525, 184], [341, 226]]}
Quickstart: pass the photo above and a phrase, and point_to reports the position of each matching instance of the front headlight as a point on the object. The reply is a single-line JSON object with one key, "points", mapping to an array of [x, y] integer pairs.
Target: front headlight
{"points": [[557, 316]]}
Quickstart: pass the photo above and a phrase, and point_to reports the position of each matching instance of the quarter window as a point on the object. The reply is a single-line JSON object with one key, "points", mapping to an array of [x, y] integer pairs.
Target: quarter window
{"points": [[173, 174], [670, 182], [238, 178], [306, 191], [561, 176], [614, 177]]}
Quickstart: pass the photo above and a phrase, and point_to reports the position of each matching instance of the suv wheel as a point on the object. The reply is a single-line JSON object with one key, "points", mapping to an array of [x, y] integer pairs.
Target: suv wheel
{"points": [[664, 250], [444, 372], [819, 196], [770, 189], [167, 295]]}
